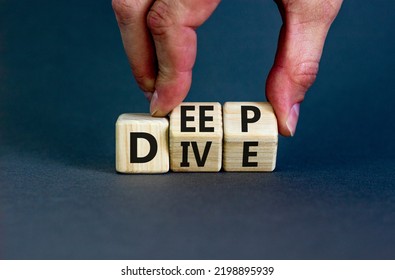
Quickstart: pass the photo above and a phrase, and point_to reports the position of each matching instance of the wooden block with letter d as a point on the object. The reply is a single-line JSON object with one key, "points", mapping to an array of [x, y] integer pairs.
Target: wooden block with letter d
{"points": [[142, 144], [250, 136], [196, 137]]}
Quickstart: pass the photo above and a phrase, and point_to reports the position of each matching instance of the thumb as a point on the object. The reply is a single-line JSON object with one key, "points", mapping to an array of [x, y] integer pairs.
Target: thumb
{"points": [[302, 37]]}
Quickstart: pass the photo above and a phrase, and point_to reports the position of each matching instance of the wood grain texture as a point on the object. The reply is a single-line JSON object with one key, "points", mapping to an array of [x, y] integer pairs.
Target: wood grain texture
{"points": [[204, 134], [255, 149], [141, 124]]}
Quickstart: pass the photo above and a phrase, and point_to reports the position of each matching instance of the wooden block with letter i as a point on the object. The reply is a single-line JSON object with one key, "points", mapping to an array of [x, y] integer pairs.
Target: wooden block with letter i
{"points": [[196, 137], [250, 136], [142, 144]]}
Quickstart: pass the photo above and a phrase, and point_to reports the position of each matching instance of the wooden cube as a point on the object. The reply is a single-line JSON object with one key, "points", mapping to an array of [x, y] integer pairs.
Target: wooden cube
{"points": [[142, 144], [196, 137], [250, 136]]}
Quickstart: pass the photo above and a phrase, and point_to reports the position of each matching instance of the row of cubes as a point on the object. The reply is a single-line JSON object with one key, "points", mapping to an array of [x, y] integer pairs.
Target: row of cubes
{"points": [[199, 137]]}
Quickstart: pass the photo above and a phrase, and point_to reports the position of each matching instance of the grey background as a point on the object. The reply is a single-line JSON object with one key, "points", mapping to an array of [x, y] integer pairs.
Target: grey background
{"points": [[64, 80]]}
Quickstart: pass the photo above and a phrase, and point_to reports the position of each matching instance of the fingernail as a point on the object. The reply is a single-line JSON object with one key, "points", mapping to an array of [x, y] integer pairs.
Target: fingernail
{"points": [[154, 101], [292, 119], [148, 95]]}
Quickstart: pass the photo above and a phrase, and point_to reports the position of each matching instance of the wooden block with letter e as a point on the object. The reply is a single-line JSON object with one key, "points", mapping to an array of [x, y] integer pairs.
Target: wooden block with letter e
{"points": [[142, 144], [196, 137], [250, 136]]}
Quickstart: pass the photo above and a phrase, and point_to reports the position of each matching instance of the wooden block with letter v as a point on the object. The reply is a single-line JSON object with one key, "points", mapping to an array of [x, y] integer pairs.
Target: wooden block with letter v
{"points": [[196, 137], [250, 136], [142, 144]]}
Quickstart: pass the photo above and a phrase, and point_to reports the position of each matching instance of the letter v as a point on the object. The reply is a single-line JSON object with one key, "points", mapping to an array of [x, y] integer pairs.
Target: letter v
{"points": [[201, 161]]}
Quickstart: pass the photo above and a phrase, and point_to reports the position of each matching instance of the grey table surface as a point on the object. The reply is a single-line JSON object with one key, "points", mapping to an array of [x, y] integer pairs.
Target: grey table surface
{"points": [[64, 80]]}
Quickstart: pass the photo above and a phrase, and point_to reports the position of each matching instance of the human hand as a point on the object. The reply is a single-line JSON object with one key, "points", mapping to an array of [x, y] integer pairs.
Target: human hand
{"points": [[160, 42]]}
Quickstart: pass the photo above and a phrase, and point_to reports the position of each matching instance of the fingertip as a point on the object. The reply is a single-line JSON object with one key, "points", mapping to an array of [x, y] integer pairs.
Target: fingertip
{"points": [[285, 100], [148, 95], [145, 83], [169, 93], [292, 119], [287, 116], [155, 108], [287, 123]]}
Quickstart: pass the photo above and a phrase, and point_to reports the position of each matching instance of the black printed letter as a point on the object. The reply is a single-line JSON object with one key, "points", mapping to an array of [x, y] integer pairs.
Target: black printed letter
{"points": [[247, 154], [133, 147], [244, 116], [203, 118], [185, 118]]}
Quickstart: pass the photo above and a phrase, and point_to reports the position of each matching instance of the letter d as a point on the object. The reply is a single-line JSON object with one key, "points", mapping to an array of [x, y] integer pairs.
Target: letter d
{"points": [[133, 147]]}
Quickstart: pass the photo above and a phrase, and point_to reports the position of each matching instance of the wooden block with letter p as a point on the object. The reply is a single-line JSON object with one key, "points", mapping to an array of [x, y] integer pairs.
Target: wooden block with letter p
{"points": [[142, 144], [196, 137], [250, 136]]}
